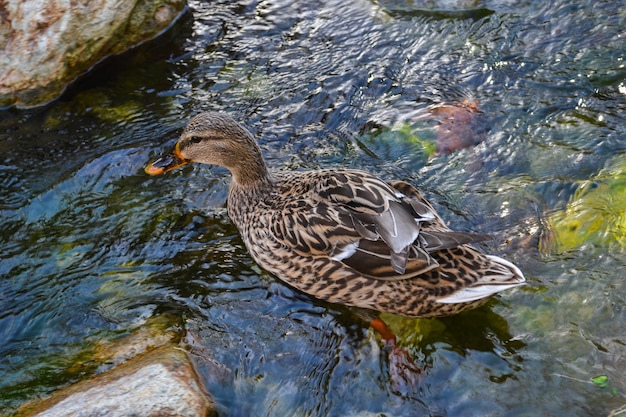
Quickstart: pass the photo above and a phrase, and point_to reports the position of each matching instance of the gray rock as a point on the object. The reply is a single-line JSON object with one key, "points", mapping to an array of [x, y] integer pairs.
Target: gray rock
{"points": [[45, 45], [160, 383], [145, 373]]}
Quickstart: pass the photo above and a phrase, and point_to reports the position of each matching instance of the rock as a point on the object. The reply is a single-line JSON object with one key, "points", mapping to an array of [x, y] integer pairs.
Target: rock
{"points": [[46, 45], [595, 214], [145, 374], [460, 126], [160, 383], [154, 333]]}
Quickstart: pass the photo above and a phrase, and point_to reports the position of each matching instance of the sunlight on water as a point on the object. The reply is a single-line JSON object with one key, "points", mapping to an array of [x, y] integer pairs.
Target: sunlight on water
{"points": [[93, 247]]}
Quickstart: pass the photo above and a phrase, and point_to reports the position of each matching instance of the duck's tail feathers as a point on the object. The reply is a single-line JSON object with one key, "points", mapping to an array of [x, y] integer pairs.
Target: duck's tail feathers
{"points": [[500, 276]]}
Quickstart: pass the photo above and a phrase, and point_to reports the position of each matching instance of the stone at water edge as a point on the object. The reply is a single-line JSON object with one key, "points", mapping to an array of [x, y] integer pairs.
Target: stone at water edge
{"points": [[162, 382], [45, 45]]}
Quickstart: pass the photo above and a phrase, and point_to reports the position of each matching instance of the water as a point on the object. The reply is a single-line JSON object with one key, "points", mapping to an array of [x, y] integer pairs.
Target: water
{"points": [[91, 246]]}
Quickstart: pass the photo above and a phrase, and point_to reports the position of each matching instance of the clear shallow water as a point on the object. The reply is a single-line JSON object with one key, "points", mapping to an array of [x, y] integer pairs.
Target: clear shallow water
{"points": [[92, 247]]}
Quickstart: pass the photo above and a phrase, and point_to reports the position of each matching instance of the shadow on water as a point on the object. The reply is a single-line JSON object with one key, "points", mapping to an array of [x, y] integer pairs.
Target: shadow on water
{"points": [[92, 247]]}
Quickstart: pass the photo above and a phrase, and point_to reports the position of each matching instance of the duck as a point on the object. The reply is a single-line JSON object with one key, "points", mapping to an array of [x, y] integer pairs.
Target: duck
{"points": [[344, 236]]}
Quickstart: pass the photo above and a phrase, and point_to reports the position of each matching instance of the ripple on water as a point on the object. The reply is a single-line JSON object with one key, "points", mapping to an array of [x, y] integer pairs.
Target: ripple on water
{"points": [[92, 245]]}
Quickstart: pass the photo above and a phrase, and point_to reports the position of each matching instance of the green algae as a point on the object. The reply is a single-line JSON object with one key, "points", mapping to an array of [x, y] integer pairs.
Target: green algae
{"points": [[596, 213]]}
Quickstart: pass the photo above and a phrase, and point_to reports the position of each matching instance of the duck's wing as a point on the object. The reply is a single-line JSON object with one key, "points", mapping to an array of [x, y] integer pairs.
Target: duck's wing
{"points": [[384, 231]]}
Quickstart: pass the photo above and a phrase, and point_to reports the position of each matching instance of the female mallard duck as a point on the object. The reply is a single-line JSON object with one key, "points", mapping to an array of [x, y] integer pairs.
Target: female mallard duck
{"points": [[344, 236]]}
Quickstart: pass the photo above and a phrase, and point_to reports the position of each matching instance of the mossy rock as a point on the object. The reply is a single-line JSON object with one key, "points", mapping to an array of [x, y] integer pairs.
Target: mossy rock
{"points": [[596, 214]]}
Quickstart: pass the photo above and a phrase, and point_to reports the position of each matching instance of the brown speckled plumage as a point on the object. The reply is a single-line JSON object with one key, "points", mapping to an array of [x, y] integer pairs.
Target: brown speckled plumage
{"points": [[344, 236]]}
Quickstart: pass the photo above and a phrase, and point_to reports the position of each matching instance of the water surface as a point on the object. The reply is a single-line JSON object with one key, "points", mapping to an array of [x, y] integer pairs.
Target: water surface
{"points": [[92, 247]]}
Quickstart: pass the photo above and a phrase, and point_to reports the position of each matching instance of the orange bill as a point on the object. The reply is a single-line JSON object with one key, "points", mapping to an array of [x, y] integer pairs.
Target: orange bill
{"points": [[166, 163]]}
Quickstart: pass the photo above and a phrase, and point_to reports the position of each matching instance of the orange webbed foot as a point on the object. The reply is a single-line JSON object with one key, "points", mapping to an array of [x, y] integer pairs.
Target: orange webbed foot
{"points": [[404, 373]]}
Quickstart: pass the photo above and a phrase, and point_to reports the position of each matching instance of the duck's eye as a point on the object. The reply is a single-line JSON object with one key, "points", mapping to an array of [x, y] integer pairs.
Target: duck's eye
{"points": [[195, 139]]}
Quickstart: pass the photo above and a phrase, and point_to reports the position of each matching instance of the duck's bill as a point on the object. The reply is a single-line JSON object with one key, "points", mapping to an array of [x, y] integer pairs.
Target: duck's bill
{"points": [[166, 163]]}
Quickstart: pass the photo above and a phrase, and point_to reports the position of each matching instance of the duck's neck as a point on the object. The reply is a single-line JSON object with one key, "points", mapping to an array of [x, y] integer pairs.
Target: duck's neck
{"points": [[251, 171]]}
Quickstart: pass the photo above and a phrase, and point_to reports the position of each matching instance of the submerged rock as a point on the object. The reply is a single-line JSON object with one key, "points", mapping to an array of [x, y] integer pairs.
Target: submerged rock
{"points": [[46, 45], [596, 214], [457, 125], [460, 126]]}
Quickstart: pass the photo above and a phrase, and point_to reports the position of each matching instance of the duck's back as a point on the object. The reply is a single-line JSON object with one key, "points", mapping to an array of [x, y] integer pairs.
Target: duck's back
{"points": [[348, 237]]}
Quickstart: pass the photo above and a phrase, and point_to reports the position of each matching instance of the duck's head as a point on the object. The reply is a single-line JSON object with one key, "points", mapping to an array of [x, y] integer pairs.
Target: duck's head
{"points": [[217, 139]]}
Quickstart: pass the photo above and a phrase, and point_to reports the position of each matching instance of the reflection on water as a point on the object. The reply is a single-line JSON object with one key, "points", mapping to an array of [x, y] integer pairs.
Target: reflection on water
{"points": [[92, 247]]}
